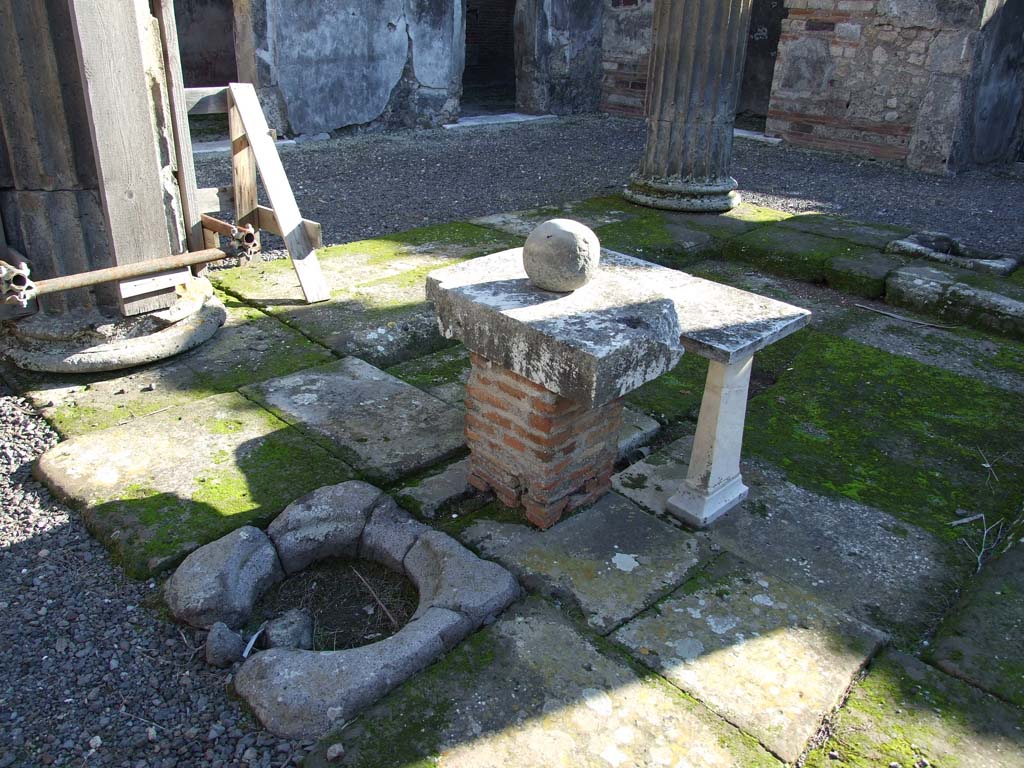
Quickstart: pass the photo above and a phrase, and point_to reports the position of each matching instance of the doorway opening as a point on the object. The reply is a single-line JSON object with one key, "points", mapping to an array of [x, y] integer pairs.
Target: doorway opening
{"points": [[489, 78], [762, 47]]}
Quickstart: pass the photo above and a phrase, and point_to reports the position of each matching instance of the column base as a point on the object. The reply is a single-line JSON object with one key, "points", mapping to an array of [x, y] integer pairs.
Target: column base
{"points": [[700, 509], [683, 196]]}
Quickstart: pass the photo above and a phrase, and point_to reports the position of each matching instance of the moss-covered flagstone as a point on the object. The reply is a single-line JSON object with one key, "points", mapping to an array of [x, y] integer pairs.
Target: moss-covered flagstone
{"points": [[807, 256], [764, 655], [889, 432], [608, 562], [909, 714], [533, 692], [385, 428], [877, 568], [442, 374], [160, 486], [378, 309], [982, 640], [874, 235], [250, 347], [960, 296], [595, 213]]}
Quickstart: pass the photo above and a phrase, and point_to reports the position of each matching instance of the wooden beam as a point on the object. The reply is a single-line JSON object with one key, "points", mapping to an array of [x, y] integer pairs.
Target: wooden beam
{"points": [[179, 125], [109, 38], [206, 101], [245, 41], [268, 223], [246, 106], [213, 199], [243, 171]]}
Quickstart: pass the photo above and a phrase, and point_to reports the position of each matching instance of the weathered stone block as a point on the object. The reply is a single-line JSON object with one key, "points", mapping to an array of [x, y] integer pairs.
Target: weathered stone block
{"points": [[325, 523], [220, 581]]}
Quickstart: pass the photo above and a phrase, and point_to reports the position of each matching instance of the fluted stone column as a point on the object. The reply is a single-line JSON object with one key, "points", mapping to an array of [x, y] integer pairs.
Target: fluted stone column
{"points": [[696, 65]]}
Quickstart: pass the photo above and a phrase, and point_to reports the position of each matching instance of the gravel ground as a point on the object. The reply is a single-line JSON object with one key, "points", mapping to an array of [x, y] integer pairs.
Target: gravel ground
{"points": [[89, 675], [374, 184], [89, 672]]}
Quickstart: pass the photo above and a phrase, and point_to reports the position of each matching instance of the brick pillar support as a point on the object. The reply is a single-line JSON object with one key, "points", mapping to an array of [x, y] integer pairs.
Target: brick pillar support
{"points": [[534, 448], [696, 66]]}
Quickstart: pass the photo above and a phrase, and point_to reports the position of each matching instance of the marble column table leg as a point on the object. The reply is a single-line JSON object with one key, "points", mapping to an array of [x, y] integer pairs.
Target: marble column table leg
{"points": [[713, 483]]}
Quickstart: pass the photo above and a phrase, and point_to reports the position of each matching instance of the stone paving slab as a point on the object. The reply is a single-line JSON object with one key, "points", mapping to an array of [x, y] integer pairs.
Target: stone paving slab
{"points": [[531, 691], [250, 346], [767, 657], [594, 213], [875, 235], [886, 572], [982, 641], [908, 714], [383, 427], [959, 295], [164, 484], [378, 309], [609, 562], [877, 568]]}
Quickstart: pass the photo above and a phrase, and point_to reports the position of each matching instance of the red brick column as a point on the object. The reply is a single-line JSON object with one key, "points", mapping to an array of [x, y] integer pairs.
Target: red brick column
{"points": [[534, 448]]}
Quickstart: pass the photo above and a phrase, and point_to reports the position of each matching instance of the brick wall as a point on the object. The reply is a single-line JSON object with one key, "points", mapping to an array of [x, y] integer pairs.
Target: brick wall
{"points": [[626, 47], [534, 448], [874, 78]]}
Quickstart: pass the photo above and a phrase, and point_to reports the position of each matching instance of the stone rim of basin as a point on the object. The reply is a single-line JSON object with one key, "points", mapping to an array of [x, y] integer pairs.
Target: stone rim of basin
{"points": [[304, 693]]}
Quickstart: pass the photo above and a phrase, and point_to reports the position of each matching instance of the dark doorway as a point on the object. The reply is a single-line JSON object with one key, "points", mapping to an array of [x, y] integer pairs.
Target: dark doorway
{"points": [[489, 79], [762, 47]]}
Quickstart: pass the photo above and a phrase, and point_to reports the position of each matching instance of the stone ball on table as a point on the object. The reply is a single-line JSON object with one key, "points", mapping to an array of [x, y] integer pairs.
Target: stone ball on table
{"points": [[561, 255]]}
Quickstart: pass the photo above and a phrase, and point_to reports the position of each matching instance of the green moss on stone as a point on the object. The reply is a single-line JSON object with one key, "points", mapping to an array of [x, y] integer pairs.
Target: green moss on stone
{"points": [[673, 396], [149, 531], [848, 419], [446, 367], [791, 253]]}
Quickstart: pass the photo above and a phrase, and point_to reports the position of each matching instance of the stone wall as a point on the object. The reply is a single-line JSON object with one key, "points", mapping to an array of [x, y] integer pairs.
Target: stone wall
{"points": [[558, 56], [997, 128], [890, 79], [626, 49], [206, 42], [340, 63]]}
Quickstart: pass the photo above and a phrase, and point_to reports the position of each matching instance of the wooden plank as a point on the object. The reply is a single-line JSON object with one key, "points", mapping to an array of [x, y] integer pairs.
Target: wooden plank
{"points": [[206, 101], [213, 199], [109, 38], [179, 124], [243, 171], [246, 105], [268, 223], [139, 286], [245, 41]]}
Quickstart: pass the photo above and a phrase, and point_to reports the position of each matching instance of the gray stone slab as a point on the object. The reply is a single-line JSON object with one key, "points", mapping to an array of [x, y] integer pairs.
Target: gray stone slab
{"points": [[432, 494], [909, 714], [610, 561], [839, 228], [609, 337], [637, 430], [765, 656], [250, 346], [386, 428], [651, 481], [162, 485], [981, 641], [959, 295], [531, 691], [878, 569]]}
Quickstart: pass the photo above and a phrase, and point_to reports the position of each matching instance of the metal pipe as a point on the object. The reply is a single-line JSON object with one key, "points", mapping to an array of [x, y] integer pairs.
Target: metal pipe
{"points": [[243, 237], [112, 274]]}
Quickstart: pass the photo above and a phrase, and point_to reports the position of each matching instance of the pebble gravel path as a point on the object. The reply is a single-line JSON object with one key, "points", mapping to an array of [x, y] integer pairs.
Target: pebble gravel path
{"points": [[373, 184]]}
